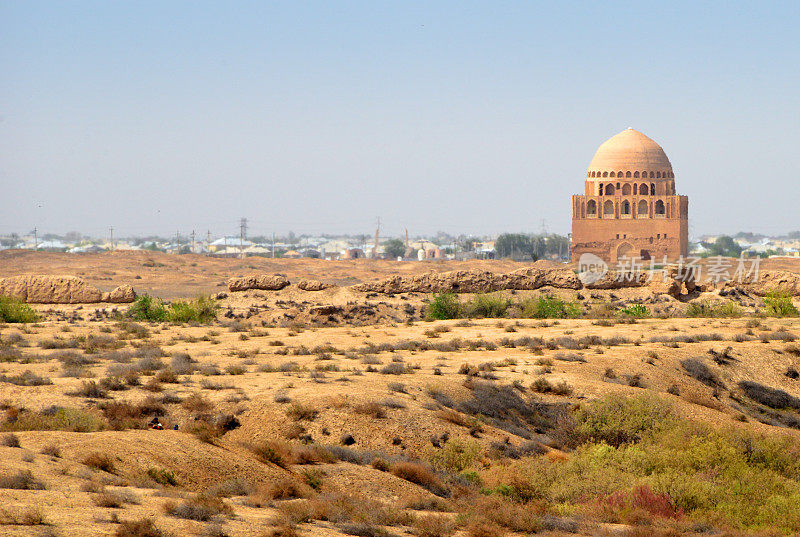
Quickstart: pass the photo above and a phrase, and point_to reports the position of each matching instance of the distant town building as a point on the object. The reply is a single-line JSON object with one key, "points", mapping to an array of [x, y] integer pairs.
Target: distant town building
{"points": [[629, 207]]}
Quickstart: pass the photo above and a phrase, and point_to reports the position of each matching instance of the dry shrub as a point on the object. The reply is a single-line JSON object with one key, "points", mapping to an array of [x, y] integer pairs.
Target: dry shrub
{"points": [[124, 415], [90, 389], [700, 371], [299, 412], [205, 431], [293, 431], [312, 455], [138, 528], [343, 508], [197, 403], [480, 527], [99, 461], [283, 529], [698, 398], [421, 475], [22, 480], [433, 526], [273, 451], [427, 503], [542, 385], [771, 397], [372, 409], [633, 507], [167, 376], [201, 508], [487, 513], [10, 440], [52, 450], [456, 418], [361, 529], [108, 500], [31, 516], [234, 486], [286, 488]]}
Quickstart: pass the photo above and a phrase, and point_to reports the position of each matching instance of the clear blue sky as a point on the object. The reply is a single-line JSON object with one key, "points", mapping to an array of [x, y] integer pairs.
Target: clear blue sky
{"points": [[320, 116]]}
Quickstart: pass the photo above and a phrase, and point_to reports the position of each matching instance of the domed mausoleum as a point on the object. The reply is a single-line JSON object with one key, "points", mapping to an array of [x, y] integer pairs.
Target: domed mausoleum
{"points": [[629, 207]]}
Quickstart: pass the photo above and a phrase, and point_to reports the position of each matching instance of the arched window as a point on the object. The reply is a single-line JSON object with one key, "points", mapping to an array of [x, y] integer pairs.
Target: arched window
{"points": [[643, 189], [642, 211], [601, 189], [608, 207], [626, 189], [652, 189], [626, 207], [605, 174], [611, 174], [627, 174], [658, 175], [635, 188], [660, 207], [635, 175], [610, 189], [652, 174], [591, 208]]}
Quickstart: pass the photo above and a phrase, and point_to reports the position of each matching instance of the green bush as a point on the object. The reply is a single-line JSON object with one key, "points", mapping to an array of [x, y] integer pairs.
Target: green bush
{"points": [[550, 308], [488, 305], [444, 306], [55, 419], [710, 309], [638, 311], [202, 309], [147, 308], [456, 455], [717, 477], [617, 420], [13, 310], [779, 304], [162, 476]]}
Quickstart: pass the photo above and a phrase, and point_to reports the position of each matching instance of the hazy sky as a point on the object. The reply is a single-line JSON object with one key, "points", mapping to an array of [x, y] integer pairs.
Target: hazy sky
{"points": [[321, 116]]}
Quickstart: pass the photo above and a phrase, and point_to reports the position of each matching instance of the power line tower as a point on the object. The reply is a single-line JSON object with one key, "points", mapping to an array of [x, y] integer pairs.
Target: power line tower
{"points": [[177, 242], [111, 236], [35, 239], [242, 235], [192, 235], [208, 242]]}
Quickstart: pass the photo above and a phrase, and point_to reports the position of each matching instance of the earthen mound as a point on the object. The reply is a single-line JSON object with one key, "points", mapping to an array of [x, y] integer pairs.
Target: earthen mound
{"points": [[462, 281], [313, 285], [265, 282], [43, 289]]}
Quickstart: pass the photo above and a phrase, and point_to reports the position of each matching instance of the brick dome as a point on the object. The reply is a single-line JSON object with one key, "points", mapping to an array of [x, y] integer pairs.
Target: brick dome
{"points": [[630, 151]]}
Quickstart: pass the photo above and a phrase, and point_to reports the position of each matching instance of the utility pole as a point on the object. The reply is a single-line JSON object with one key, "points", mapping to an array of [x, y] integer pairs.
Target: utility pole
{"points": [[377, 233], [242, 235], [178, 242], [35, 239], [208, 242], [111, 236], [192, 241], [273, 245]]}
